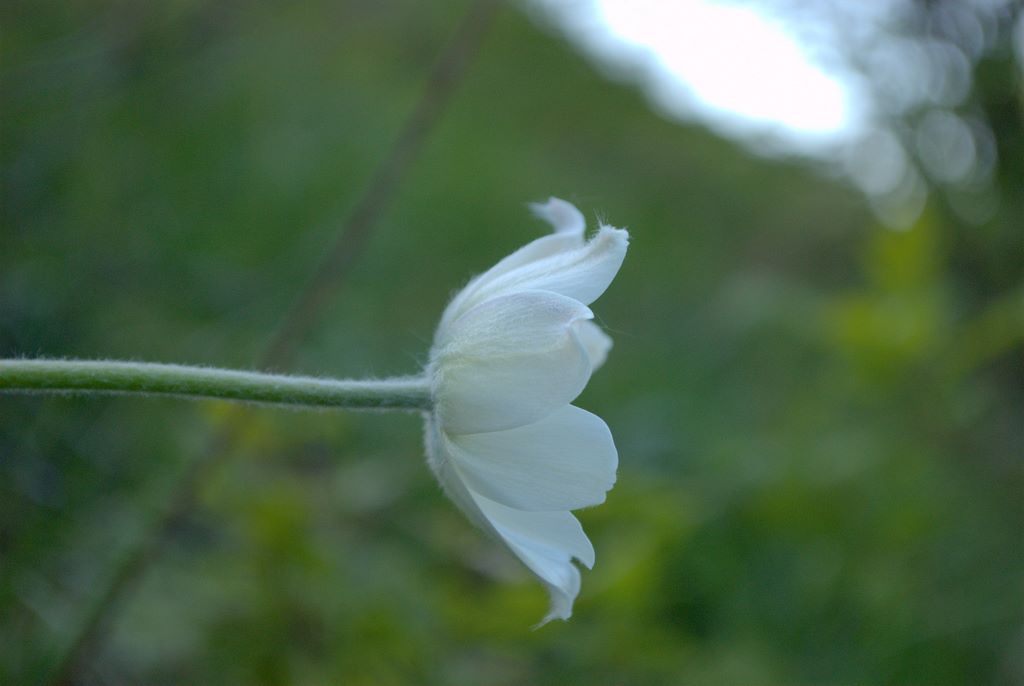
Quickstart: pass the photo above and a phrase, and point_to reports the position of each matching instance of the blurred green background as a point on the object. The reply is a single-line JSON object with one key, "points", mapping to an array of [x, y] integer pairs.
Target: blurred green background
{"points": [[819, 418]]}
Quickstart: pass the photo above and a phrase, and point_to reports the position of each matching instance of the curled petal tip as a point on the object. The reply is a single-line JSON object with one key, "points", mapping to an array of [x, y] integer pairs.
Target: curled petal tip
{"points": [[561, 602], [549, 617], [561, 215]]}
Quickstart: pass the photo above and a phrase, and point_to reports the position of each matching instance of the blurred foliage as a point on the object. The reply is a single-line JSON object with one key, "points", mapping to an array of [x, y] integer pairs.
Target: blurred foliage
{"points": [[819, 419]]}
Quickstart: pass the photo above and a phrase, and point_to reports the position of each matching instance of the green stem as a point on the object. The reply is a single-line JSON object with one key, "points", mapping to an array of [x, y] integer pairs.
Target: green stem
{"points": [[143, 378]]}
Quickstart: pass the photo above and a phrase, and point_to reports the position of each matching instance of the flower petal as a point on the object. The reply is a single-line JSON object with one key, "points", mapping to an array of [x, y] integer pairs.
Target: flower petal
{"points": [[568, 224], [582, 273], [508, 362], [439, 460], [561, 263], [595, 341], [565, 461], [563, 216], [546, 542]]}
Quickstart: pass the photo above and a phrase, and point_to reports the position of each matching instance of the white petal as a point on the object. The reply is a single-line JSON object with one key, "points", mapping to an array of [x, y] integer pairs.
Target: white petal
{"points": [[546, 542], [451, 481], [582, 274], [565, 461], [561, 598], [508, 362], [531, 252], [596, 342], [563, 216], [568, 224]]}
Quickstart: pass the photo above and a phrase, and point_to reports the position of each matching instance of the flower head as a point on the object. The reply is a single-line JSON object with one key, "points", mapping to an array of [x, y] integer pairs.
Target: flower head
{"points": [[514, 348]]}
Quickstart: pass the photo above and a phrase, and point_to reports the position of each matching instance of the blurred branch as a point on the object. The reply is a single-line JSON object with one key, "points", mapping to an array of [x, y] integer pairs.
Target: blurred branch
{"points": [[446, 76], [441, 84]]}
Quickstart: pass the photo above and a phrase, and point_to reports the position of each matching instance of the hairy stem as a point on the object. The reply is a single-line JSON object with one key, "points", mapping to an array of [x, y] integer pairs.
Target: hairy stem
{"points": [[143, 378]]}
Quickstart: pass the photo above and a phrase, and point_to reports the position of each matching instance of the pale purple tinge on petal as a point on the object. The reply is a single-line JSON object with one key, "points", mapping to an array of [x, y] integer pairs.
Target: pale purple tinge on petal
{"points": [[508, 362], [565, 461], [595, 341]]}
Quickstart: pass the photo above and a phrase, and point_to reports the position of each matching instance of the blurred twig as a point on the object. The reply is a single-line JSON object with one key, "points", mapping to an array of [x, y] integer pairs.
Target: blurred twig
{"points": [[352, 236], [450, 69]]}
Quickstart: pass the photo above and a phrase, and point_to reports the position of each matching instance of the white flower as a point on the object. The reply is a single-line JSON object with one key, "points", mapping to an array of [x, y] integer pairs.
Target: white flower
{"points": [[513, 349]]}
